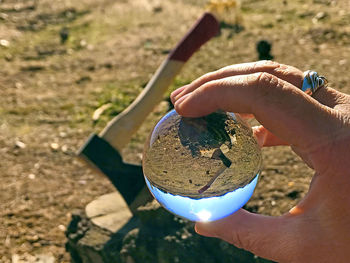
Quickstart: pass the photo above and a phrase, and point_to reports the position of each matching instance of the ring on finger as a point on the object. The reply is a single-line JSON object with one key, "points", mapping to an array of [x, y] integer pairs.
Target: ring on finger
{"points": [[313, 82]]}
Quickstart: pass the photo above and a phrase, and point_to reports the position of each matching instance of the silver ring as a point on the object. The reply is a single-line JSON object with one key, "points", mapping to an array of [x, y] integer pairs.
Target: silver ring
{"points": [[313, 82]]}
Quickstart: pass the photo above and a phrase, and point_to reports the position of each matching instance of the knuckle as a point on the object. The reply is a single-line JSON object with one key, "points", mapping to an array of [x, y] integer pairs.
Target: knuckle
{"points": [[282, 69], [294, 75], [209, 75], [222, 72], [265, 79], [203, 79], [208, 85], [267, 64], [266, 84]]}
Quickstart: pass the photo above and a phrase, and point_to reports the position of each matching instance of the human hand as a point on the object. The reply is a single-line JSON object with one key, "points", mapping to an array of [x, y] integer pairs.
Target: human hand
{"points": [[317, 128]]}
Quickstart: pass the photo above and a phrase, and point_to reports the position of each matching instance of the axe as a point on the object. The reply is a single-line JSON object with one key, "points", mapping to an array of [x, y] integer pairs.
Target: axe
{"points": [[103, 152]]}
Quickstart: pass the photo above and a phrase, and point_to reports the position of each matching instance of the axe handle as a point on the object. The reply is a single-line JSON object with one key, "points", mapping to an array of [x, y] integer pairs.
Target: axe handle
{"points": [[119, 130]]}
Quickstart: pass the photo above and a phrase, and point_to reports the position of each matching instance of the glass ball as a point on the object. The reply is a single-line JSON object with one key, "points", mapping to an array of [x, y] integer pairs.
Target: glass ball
{"points": [[202, 169]]}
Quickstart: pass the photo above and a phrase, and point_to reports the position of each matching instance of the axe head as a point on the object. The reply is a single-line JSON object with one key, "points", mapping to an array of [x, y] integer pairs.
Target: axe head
{"points": [[100, 155]]}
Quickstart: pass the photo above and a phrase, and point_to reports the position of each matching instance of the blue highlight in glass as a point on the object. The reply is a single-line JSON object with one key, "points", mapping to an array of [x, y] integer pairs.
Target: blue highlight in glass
{"points": [[204, 209]]}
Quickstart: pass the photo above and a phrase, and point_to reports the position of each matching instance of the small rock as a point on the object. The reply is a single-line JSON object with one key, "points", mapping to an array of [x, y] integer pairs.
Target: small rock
{"points": [[8, 57], [36, 244], [18, 85], [54, 146], [342, 62], [63, 134], [31, 176], [62, 228], [83, 43], [319, 16], [139, 156], [64, 148], [323, 46], [302, 41], [83, 182], [342, 12], [279, 18], [32, 238], [4, 43], [3, 16], [20, 145]]}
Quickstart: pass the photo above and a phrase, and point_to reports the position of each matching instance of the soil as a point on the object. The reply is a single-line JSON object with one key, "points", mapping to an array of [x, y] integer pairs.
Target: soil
{"points": [[201, 157], [62, 60]]}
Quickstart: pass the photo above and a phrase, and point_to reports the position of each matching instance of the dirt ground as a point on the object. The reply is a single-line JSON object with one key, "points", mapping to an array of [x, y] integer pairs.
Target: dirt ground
{"points": [[61, 60]]}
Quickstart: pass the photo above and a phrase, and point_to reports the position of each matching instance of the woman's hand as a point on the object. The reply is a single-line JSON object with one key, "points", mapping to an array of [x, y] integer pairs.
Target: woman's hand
{"points": [[318, 130]]}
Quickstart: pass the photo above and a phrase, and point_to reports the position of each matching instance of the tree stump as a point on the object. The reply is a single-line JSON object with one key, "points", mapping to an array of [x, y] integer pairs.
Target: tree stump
{"points": [[107, 232]]}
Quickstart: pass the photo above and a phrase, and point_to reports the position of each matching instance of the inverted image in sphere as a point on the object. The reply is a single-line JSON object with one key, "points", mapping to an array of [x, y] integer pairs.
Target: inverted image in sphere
{"points": [[201, 157]]}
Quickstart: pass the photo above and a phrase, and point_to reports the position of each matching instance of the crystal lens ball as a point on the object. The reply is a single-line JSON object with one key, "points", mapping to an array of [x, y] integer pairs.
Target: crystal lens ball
{"points": [[202, 169]]}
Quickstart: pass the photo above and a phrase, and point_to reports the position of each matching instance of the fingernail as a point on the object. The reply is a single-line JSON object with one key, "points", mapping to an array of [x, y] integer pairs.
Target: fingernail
{"points": [[174, 94], [181, 100], [196, 229], [260, 135], [201, 230]]}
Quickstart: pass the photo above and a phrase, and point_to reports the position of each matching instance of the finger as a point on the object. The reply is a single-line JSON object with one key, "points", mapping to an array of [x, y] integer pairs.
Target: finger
{"points": [[267, 237], [261, 134], [284, 110], [245, 116], [331, 97], [175, 93], [266, 138], [285, 72], [328, 97]]}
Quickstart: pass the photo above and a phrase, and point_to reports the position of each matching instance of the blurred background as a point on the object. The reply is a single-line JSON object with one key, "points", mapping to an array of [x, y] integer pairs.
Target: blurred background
{"points": [[67, 67]]}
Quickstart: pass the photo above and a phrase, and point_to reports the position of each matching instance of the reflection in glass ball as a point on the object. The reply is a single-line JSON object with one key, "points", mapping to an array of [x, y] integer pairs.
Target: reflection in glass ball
{"points": [[202, 169]]}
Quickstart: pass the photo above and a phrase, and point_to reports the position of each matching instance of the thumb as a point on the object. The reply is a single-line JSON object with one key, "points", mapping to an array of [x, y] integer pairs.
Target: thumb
{"points": [[267, 237]]}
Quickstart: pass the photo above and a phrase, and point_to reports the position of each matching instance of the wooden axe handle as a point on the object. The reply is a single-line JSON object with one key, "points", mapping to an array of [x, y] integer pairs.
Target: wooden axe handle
{"points": [[119, 130]]}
